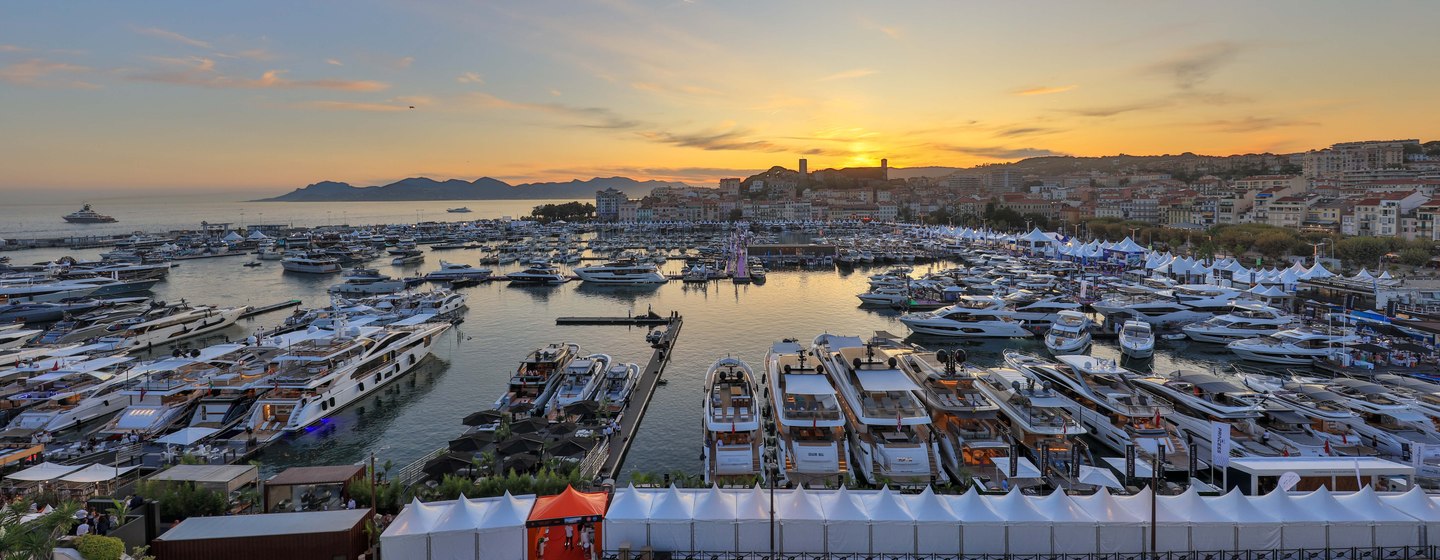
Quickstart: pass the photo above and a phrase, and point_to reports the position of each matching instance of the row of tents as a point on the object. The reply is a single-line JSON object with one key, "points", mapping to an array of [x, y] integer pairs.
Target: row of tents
{"points": [[884, 522]]}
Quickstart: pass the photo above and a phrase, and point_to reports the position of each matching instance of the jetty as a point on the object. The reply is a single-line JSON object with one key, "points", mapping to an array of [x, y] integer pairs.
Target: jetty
{"points": [[648, 319], [253, 311], [634, 412]]}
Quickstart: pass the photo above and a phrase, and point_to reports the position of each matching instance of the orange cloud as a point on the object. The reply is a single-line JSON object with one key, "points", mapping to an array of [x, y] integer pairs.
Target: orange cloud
{"points": [[39, 73], [1044, 90], [849, 74], [202, 74], [172, 36]]}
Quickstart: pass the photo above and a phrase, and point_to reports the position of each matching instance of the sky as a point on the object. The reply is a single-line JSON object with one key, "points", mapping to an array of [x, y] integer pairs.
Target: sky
{"points": [[269, 96]]}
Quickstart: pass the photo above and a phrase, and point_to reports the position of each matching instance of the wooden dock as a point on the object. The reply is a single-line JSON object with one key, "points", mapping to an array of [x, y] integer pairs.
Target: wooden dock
{"points": [[634, 412], [637, 320], [268, 308]]}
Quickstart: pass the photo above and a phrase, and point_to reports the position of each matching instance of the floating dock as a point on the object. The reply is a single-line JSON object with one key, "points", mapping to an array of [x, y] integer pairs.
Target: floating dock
{"points": [[634, 412], [637, 320], [268, 308]]}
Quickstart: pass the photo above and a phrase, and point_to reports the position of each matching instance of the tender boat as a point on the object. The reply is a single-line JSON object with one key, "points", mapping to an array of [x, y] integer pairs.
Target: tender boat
{"points": [[1069, 334], [812, 447], [1137, 340], [85, 215], [580, 381], [734, 445], [535, 381], [615, 389]]}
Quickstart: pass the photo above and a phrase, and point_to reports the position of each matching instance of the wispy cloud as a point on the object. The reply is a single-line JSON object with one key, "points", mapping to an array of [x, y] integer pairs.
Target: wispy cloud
{"points": [[1043, 90], [676, 89], [731, 139], [1117, 109], [249, 54], [470, 78], [355, 106], [587, 117], [45, 73], [334, 62], [1192, 67], [404, 62], [201, 72], [1025, 131], [1253, 124], [849, 74], [997, 152], [12, 49], [172, 36]]}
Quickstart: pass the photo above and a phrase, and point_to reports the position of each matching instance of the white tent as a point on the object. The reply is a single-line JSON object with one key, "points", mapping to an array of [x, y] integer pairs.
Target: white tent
{"points": [[626, 520], [1303, 528], [1317, 272], [1172, 529], [1416, 503], [456, 535], [847, 525], [408, 536], [96, 473], [257, 235], [1097, 476], [982, 531], [1255, 529], [1119, 530], [1391, 527], [1073, 531], [502, 532], [801, 522], [715, 521], [892, 525], [232, 237], [671, 517], [1027, 531], [1344, 528], [752, 520], [1363, 276], [43, 471], [1208, 529], [186, 436], [937, 528]]}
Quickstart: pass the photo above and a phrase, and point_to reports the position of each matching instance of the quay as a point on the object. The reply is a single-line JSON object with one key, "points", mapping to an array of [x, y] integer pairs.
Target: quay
{"points": [[650, 319], [253, 311], [635, 411]]}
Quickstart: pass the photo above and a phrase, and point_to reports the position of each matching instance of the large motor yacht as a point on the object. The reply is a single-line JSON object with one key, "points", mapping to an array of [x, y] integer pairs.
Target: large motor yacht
{"points": [[1038, 310], [1069, 334], [85, 215], [1245, 320], [535, 381], [310, 265], [1137, 339], [537, 274], [626, 271], [964, 420], [580, 381], [166, 324], [1324, 428], [56, 399], [1201, 398], [734, 445], [1298, 346], [1180, 305], [889, 429], [812, 443], [615, 388], [971, 317], [1039, 417]]}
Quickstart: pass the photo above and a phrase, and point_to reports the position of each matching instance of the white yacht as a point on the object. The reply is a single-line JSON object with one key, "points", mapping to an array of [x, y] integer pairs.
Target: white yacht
{"points": [[734, 443], [812, 444], [580, 381], [1115, 412], [537, 274], [1245, 320], [310, 265], [535, 381], [458, 271], [317, 377], [965, 420], [615, 388], [1069, 334], [33, 290], [1298, 346], [56, 399], [15, 337], [888, 295], [1038, 310], [620, 272], [164, 325], [971, 317], [1039, 417], [1325, 426], [1137, 340], [1200, 398], [1179, 305], [368, 281], [889, 429]]}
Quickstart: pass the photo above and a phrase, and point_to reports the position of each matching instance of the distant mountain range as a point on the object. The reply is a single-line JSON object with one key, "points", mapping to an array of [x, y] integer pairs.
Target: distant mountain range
{"points": [[484, 188]]}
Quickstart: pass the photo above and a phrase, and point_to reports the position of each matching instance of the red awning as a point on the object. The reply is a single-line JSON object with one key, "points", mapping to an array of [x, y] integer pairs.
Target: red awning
{"points": [[569, 504]]}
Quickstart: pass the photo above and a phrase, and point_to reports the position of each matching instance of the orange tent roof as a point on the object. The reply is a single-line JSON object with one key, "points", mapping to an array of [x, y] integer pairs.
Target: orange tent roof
{"points": [[569, 504]]}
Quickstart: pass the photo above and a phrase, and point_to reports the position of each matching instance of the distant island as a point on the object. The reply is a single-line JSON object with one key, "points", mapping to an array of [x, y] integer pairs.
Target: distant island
{"points": [[484, 188]]}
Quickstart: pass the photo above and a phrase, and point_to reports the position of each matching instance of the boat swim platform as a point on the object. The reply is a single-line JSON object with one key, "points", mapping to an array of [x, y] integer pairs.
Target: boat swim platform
{"points": [[634, 410]]}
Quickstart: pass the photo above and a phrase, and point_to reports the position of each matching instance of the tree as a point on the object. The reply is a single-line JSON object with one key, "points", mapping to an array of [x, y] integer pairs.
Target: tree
{"points": [[34, 539], [1274, 244], [1361, 251], [1414, 256], [736, 214]]}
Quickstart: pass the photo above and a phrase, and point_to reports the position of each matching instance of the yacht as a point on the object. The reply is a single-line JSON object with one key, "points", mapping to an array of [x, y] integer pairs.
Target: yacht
{"points": [[85, 215], [971, 317], [615, 388], [1109, 407], [368, 281], [889, 429], [886, 295], [537, 274], [580, 381], [812, 447], [734, 444], [620, 272], [1179, 305], [1202, 398], [310, 265], [1245, 320], [1324, 428], [1038, 310], [1069, 334], [317, 377], [460, 210], [57, 399], [458, 271], [34, 290], [1298, 346], [535, 381], [166, 324], [14, 337], [406, 256], [964, 419], [1038, 416], [1137, 340]]}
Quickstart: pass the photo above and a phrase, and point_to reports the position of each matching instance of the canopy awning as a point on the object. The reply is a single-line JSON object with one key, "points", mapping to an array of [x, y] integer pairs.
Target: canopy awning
{"points": [[808, 384], [96, 473], [1099, 477], [44, 471], [1024, 469], [186, 436], [885, 381], [570, 504]]}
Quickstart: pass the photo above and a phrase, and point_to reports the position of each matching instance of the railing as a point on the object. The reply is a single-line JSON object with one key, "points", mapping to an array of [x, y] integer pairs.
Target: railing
{"points": [[414, 472], [1386, 553]]}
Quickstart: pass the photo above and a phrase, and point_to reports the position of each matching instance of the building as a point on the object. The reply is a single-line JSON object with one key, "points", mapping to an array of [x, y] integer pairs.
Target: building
{"points": [[607, 204], [1354, 156], [1290, 184], [730, 187], [1287, 211], [1379, 216], [333, 535]]}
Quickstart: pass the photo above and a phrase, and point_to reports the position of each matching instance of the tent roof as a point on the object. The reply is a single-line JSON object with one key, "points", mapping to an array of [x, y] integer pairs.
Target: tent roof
{"points": [[1327, 507], [1025, 469], [1368, 504], [671, 505], [1415, 503], [1104, 507], [752, 504], [1015, 507], [1283, 506], [570, 503], [842, 505], [1098, 477], [1190, 506], [1239, 508], [715, 505], [417, 518], [508, 511], [1060, 508], [629, 503], [926, 506], [798, 505], [44, 471], [971, 508], [186, 436], [463, 515], [1037, 236], [96, 473], [886, 506], [265, 524]]}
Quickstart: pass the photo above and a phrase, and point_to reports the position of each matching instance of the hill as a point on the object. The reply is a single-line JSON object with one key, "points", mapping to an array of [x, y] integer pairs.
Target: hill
{"points": [[484, 188]]}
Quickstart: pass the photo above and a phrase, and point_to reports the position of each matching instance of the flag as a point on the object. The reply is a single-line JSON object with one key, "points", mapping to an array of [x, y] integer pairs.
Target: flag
{"points": [[1327, 447], [1157, 417]]}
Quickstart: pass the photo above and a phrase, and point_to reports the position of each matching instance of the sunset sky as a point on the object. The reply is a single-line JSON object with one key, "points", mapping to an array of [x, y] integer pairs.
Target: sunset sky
{"points": [[269, 96]]}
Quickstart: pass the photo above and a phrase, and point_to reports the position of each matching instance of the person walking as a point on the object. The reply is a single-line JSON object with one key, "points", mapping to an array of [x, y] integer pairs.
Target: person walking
{"points": [[540, 545]]}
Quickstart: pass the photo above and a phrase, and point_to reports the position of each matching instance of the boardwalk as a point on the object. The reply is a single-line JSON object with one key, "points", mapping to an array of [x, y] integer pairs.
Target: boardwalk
{"points": [[640, 400]]}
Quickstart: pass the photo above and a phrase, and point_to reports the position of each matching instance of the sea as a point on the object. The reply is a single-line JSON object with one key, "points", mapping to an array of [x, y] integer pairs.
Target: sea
{"points": [[471, 364]]}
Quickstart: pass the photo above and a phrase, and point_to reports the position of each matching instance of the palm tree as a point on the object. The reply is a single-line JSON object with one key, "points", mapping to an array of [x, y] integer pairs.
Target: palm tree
{"points": [[33, 539]]}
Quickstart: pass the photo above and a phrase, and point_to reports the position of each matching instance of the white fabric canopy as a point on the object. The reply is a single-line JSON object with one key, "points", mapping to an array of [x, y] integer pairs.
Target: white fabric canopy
{"points": [[186, 436], [1255, 528], [983, 532], [937, 528], [502, 532], [715, 521], [1391, 527], [1417, 504], [1025, 469], [892, 525], [1027, 531], [96, 473], [1344, 528], [456, 535], [44, 471], [847, 525], [1303, 528], [752, 518], [408, 536], [801, 522], [671, 516], [626, 520], [1097, 476], [1119, 530]]}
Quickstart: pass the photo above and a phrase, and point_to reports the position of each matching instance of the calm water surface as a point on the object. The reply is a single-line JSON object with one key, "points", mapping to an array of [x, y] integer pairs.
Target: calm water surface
{"points": [[472, 364]]}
